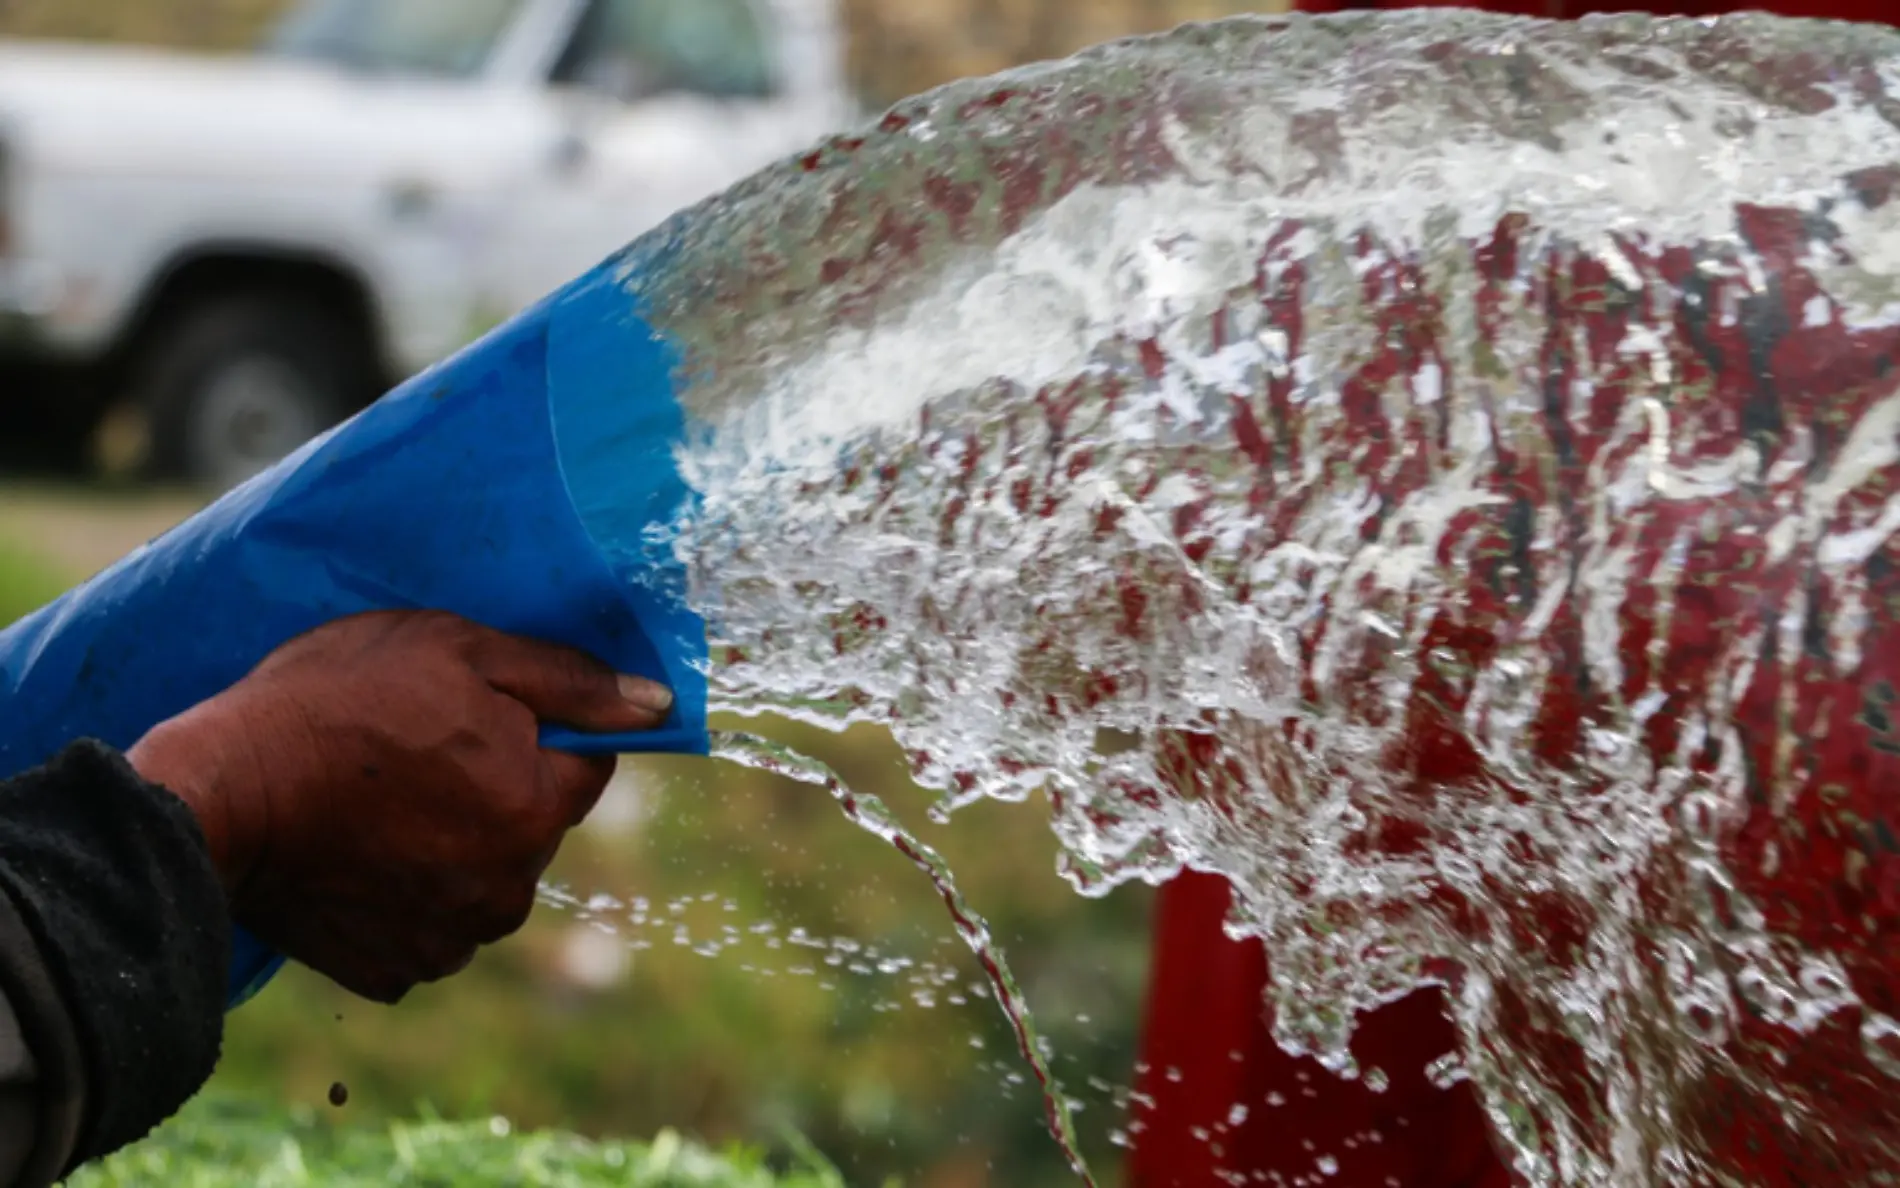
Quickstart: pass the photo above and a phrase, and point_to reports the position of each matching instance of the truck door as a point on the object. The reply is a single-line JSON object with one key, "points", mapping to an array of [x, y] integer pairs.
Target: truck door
{"points": [[655, 105]]}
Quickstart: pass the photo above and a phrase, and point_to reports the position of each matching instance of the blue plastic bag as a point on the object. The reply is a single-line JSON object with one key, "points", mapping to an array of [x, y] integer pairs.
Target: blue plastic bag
{"points": [[506, 485]]}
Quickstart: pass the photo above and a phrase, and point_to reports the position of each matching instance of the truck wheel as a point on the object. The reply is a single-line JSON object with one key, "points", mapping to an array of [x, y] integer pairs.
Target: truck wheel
{"points": [[234, 385]]}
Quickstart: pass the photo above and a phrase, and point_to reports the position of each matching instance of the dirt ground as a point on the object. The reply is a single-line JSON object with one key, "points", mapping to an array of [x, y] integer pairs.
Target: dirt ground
{"points": [[83, 530]]}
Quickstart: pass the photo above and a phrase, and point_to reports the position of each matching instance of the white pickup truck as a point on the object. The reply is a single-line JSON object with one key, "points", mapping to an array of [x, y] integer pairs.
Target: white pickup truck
{"points": [[230, 254]]}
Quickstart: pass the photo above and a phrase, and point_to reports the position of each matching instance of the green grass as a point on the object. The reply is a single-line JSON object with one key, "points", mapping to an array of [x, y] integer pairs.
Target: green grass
{"points": [[230, 1141], [741, 1048], [26, 582], [221, 1142]]}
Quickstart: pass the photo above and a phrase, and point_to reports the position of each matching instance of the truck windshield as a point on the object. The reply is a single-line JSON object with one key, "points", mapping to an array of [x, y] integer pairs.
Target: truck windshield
{"points": [[442, 38], [646, 47]]}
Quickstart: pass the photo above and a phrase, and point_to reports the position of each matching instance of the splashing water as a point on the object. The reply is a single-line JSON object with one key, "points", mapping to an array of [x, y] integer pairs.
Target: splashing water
{"points": [[1439, 471], [870, 813]]}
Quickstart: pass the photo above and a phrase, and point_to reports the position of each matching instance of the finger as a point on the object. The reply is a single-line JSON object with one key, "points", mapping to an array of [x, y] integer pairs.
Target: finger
{"points": [[574, 782], [537, 866], [509, 914], [365, 968], [569, 687], [384, 989], [505, 912], [443, 958], [554, 792]]}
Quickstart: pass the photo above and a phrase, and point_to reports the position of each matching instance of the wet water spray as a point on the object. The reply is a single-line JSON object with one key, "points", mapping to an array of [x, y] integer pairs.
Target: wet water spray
{"points": [[1438, 471], [869, 812]]}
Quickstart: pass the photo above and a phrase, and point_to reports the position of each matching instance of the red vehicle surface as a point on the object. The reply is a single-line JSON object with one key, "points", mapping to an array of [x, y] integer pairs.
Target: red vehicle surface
{"points": [[1207, 1044]]}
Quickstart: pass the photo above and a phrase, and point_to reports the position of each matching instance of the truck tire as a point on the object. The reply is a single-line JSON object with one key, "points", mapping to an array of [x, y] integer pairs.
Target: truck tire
{"points": [[232, 385]]}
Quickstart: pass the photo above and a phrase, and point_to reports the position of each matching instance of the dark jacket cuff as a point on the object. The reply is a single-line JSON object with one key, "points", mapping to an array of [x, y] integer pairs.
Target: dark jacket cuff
{"points": [[111, 878], [57, 1091]]}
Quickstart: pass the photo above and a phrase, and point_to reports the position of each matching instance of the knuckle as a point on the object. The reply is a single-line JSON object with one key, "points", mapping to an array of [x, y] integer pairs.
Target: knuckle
{"points": [[439, 631], [461, 637], [587, 779], [570, 789], [514, 720], [526, 827], [446, 958], [379, 986], [509, 911], [458, 898]]}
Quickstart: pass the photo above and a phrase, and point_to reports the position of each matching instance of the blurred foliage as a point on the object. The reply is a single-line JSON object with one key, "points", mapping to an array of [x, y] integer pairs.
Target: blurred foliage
{"points": [[839, 1007], [228, 1143], [206, 24], [897, 47], [27, 581], [900, 47], [551, 1028]]}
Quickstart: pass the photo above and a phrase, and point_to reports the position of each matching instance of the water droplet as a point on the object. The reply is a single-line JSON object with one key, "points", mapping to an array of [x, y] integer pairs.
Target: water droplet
{"points": [[1880, 1040], [1445, 1072], [870, 814]]}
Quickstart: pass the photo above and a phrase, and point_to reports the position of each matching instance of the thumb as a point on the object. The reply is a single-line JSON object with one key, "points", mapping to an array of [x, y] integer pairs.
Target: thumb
{"points": [[569, 687]]}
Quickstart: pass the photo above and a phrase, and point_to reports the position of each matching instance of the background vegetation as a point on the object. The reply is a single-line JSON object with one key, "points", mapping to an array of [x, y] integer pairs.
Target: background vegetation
{"points": [[752, 967], [231, 1143], [896, 47]]}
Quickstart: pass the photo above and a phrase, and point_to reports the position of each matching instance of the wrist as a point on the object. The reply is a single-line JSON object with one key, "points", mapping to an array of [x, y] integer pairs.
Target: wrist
{"points": [[204, 757]]}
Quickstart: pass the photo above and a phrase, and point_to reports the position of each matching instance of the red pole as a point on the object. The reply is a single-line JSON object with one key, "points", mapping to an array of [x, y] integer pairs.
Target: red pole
{"points": [[1207, 1047], [1221, 1100]]}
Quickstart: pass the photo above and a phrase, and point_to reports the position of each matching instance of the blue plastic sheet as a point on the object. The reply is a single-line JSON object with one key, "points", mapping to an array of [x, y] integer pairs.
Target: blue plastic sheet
{"points": [[454, 492]]}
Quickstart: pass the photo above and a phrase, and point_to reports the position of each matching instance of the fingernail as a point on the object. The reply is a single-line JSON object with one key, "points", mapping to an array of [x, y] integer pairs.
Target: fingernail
{"points": [[648, 695]]}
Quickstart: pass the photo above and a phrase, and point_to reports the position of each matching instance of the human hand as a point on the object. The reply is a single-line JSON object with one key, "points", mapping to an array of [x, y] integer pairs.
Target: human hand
{"points": [[374, 794]]}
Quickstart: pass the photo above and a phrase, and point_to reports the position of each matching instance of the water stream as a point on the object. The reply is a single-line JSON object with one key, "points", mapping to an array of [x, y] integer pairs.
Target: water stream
{"points": [[1437, 470], [869, 813]]}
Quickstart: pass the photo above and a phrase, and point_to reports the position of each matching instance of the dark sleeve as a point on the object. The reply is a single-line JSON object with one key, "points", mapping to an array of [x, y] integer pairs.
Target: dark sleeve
{"points": [[114, 946]]}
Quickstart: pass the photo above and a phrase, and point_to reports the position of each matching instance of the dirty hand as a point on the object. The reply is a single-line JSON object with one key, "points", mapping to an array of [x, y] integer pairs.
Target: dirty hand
{"points": [[374, 795]]}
